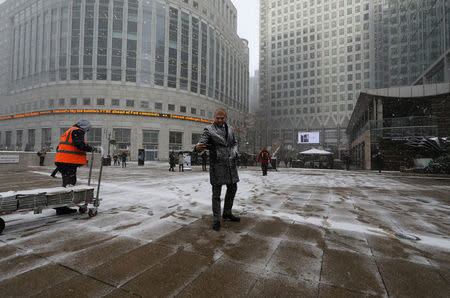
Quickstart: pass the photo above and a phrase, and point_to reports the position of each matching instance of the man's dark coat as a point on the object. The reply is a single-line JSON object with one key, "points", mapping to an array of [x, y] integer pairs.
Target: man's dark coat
{"points": [[223, 152]]}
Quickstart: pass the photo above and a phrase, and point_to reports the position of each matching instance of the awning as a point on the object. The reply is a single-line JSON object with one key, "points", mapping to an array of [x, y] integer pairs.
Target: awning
{"points": [[315, 152]]}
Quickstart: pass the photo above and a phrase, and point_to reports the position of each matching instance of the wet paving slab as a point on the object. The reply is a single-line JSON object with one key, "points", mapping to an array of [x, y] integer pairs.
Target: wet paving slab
{"points": [[299, 251]]}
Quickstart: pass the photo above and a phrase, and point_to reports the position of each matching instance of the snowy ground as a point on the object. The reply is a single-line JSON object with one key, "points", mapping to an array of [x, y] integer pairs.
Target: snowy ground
{"points": [[146, 203]]}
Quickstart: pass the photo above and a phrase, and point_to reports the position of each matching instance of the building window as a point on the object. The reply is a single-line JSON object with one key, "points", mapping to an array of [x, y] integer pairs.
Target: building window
{"points": [[62, 102], [202, 112], [8, 140], [182, 109], [175, 140], [73, 101], [158, 106], [51, 103], [195, 138], [173, 48], [86, 101], [193, 111], [171, 107], [100, 101], [146, 38], [122, 137], [31, 140], [46, 141], [144, 104], [115, 102], [130, 103], [19, 139], [94, 137], [160, 43], [150, 141], [116, 54]]}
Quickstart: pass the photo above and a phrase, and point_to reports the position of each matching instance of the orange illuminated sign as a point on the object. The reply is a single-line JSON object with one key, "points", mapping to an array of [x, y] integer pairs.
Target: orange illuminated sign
{"points": [[110, 112], [105, 111]]}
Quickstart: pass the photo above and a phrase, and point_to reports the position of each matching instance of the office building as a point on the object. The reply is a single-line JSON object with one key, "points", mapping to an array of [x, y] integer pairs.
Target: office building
{"points": [[148, 74]]}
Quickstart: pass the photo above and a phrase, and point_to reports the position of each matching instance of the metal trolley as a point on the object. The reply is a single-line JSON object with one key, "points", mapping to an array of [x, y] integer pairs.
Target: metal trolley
{"points": [[38, 200]]}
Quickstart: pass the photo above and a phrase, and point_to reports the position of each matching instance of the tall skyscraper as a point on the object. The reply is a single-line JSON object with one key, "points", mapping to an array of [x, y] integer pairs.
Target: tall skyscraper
{"points": [[412, 42], [316, 56]]}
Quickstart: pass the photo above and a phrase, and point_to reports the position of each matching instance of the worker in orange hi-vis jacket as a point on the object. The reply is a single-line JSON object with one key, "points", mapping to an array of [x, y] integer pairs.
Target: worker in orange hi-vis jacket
{"points": [[71, 154]]}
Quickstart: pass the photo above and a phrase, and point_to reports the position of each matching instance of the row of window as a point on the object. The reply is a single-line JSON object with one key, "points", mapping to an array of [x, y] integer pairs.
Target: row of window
{"points": [[308, 100], [312, 110], [315, 3], [122, 137], [40, 56]]}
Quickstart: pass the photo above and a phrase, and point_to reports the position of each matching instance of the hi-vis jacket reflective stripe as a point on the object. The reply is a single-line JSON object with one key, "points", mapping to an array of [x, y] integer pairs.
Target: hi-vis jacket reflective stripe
{"points": [[67, 152]]}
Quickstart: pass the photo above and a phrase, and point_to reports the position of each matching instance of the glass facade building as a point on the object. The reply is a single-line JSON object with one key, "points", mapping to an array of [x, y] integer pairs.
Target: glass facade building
{"points": [[316, 56], [142, 55], [412, 42]]}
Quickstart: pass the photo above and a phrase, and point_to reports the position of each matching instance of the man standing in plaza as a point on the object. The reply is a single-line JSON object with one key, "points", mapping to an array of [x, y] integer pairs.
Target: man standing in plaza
{"points": [[219, 139]]}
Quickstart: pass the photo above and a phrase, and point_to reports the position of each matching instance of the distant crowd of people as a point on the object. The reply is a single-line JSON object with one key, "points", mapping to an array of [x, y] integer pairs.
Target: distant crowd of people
{"points": [[119, 158]]}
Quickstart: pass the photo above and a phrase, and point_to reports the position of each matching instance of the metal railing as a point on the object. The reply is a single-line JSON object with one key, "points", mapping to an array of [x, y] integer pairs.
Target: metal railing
{"points": [[400, 127]]}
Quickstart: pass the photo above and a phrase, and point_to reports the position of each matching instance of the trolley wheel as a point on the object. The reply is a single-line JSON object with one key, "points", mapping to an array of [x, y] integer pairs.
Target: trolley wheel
{"points": [[82, 209], [92, 212], [2, 225]]}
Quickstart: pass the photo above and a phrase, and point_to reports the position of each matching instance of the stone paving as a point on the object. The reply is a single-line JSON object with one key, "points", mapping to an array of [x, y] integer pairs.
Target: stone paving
{"points": [[261, 256]]}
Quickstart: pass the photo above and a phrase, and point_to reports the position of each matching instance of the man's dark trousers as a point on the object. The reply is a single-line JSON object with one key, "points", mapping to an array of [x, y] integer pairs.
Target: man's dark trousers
{"points": [[264, 168], [229, 199]]}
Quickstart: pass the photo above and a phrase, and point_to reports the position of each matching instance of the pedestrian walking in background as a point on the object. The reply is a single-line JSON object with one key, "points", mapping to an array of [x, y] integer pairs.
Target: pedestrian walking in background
{"points": [[124, 159], [172, 162], [41, 155], [347, 161], [264, 158], [115, 158], [204, 160], [220, 140], [379, 161], [71, 154], [180, 162]]}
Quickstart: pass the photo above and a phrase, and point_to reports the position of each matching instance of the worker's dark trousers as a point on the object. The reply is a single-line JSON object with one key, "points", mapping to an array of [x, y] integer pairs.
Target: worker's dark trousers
{"points": [[68, 173], [229, 199]]}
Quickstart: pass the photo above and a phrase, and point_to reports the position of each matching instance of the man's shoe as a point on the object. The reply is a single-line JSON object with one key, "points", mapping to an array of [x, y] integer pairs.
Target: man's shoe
{"points": [[216, 226], [231, 217]]}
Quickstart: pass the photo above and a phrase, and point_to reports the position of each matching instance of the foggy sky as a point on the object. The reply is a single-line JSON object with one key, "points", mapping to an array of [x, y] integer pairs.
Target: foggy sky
{"points": [[248, 28]]}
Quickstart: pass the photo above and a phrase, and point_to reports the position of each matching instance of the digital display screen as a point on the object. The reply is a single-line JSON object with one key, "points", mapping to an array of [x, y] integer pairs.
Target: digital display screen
{"points": [[309, 137]]}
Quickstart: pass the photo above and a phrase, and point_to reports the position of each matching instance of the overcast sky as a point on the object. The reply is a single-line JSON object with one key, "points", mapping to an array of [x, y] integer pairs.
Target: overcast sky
{"points": [[248, 24], [248, 28]]}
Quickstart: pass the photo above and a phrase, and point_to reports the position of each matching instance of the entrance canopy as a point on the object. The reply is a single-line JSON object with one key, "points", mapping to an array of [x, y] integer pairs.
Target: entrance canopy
{"points": [[315, 152]]}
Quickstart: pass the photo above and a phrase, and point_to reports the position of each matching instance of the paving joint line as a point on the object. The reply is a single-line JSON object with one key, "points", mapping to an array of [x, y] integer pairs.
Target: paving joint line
{"points": [[87, 275], [378, 268]]}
